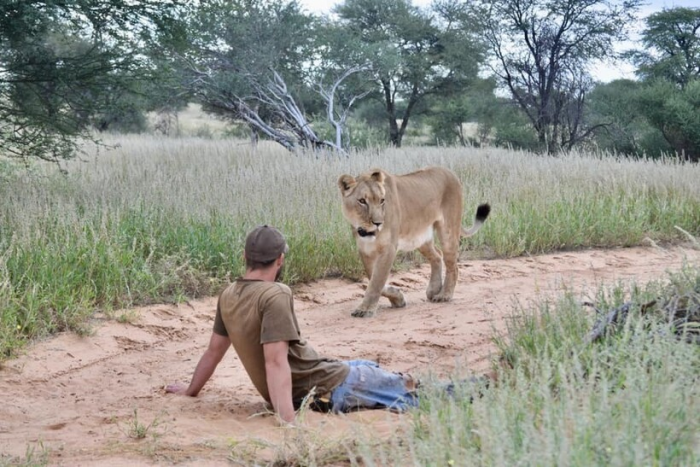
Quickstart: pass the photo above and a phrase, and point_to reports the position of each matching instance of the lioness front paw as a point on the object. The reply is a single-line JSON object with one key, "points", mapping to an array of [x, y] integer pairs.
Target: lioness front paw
{"points": [[360, 313]]}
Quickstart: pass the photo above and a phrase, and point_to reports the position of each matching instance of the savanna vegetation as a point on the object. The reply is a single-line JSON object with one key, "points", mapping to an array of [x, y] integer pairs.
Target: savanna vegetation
{"points": [[150, 221], [162, 219], [627, 400], [519, 73]]}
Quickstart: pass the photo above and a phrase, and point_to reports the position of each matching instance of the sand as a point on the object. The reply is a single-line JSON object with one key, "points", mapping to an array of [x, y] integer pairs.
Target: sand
{"points": [[76, 399]]}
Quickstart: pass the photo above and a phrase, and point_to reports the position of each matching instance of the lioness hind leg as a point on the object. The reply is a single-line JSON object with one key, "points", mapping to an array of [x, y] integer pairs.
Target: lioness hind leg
{"points": [[449, 241], [433, 256]]}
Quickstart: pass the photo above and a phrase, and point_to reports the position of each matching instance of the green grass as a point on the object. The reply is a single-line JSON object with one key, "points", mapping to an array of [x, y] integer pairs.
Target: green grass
{"points": [[629, 400], [160, 219], [36, 455]]}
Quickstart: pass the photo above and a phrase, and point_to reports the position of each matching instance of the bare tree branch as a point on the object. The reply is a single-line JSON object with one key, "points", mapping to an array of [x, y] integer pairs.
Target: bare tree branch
{"points": [[329, 95]]}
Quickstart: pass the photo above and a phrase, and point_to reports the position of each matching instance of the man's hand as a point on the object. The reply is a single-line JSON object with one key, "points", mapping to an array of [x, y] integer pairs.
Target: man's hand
{"points": [[218, 345], [176, 388], [285, 424]]}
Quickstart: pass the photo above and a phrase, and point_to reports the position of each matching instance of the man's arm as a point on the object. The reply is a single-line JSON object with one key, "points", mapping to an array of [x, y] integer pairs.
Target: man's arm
{"points": [[218, 346], [279, 379]]}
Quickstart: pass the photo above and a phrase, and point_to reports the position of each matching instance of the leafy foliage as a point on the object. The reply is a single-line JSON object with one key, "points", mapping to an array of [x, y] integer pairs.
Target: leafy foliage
{"points": [[625, 130], [62, 65], [413, 53], [672, 46], [676, 113], [543, 48], [670, 67], [233, 47], [69, 68]]}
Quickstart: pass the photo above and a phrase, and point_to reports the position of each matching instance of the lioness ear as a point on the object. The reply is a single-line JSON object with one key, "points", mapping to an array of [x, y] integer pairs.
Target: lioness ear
{"points": [[377, 175], [346, 183]]}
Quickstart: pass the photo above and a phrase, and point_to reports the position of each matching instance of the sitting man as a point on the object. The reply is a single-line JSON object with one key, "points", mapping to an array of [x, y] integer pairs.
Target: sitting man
{"points": [[255, 314]]}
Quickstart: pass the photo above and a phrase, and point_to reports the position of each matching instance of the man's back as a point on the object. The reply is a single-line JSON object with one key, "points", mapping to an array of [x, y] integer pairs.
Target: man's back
{"points": [[258, 312]]}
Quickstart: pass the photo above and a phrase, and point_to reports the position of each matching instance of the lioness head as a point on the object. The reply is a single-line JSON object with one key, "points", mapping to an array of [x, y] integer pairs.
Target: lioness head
{"points": [[363, 201]]}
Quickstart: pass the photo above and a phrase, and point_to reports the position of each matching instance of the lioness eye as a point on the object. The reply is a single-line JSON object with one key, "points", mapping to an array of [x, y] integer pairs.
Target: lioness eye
{"points": [[382, 201], [362, 201]]}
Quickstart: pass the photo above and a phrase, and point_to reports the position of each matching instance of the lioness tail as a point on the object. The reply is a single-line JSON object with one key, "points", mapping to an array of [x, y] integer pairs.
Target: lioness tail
{"points": [[482, 212]]}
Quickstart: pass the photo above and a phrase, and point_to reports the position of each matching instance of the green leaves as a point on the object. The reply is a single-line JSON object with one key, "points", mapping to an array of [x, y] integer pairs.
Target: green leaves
{"points": [[672, 42], [676, 112], [415, 53], [542, 51], [62, 62]]}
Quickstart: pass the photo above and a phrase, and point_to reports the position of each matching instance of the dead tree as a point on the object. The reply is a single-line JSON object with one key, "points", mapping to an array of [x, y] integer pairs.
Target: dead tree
{"points": [[284, 121], [337, 115]]}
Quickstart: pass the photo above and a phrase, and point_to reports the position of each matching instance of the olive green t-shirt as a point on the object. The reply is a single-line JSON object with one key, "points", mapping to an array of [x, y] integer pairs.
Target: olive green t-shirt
{"points": [[252, 313]]}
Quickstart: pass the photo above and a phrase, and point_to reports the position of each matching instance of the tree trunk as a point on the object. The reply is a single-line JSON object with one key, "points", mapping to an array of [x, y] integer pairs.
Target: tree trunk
{"points": [[407, 115], [254, 136], [542, 138], [394, 133], [339, 136], [329, 95]]}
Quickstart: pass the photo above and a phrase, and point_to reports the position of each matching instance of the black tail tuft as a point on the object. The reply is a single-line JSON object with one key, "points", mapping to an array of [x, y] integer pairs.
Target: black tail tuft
{"points": [[482, 212]]}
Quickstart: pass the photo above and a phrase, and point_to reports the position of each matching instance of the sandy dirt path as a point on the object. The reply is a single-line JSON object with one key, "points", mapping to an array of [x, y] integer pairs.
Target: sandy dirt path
{"points": [[77, 396]]}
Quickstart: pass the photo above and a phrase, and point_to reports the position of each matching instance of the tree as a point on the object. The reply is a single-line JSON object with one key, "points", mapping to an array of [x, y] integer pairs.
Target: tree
{"points": [[626, 130], [413, 53], [676, 113], [672, 46], [239, 51], [58, 61], [542, 49], [511, 128], [670, 69], [476, 104], [337, 108], [286, 123]]}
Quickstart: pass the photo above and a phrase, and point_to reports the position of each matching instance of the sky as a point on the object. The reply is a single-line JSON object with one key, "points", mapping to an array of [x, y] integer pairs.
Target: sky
{"points": [[601, 72]]}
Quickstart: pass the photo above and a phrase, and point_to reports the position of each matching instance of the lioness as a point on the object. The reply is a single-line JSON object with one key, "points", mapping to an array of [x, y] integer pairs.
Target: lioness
{"points": [[389, 213]]}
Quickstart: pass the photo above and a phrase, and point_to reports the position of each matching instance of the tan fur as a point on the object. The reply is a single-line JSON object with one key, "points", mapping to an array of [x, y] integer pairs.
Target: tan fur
{"points": [[389, 213]]}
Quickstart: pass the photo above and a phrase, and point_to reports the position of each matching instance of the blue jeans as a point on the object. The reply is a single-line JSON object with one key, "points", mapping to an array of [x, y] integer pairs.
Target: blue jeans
{"points": [[369, 387]]}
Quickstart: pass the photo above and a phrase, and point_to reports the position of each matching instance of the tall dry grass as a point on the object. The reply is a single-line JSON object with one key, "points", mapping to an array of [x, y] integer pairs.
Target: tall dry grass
{"points": [[162, 219]]}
